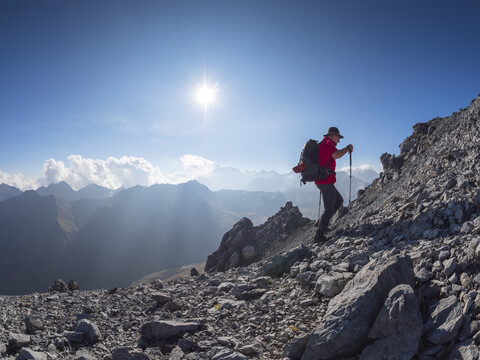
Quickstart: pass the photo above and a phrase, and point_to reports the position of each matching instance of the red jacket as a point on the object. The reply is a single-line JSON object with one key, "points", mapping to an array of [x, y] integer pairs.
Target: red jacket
{"points": [[325, 150]]}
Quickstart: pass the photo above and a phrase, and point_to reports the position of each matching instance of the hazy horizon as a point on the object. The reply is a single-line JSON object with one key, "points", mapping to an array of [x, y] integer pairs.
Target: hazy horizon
{"points": [[237, 179]]}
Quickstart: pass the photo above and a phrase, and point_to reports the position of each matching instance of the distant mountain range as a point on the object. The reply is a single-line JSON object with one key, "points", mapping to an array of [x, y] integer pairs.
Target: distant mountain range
{"points": [[234, 179], [105, 238], [113, 241], [306, 197], [63, 190]]}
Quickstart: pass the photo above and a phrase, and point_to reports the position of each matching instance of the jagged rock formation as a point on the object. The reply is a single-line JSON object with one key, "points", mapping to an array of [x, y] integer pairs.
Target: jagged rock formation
{"points": [[245, 244], [399, 279]]}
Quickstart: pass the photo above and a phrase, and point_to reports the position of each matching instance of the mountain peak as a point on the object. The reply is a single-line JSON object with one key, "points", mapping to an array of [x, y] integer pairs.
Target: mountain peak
{"points": [[7, 191]]}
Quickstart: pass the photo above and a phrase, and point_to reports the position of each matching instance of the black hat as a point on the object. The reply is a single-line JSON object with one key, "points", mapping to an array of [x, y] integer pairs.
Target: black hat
{"points": [[333, 131]]}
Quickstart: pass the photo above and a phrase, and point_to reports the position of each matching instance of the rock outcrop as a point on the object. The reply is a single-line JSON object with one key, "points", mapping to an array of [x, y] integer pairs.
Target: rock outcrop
{"points": [[245, 244]]}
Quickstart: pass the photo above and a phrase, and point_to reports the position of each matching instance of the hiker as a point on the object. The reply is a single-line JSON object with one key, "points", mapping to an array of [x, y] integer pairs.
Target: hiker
{"points": [[332, 200]]}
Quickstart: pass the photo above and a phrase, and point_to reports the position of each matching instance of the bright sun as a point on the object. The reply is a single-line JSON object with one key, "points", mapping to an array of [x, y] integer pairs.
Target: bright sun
{"points": [[206, 95]]}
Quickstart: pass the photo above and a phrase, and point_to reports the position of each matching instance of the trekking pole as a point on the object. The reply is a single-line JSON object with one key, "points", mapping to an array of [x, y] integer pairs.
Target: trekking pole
{"points": [[350, 191], [319, 205]]}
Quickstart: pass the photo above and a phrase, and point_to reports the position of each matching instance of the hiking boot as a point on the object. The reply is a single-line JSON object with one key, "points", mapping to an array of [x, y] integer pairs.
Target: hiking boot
{"points": [[320, 238], [316, 223]]}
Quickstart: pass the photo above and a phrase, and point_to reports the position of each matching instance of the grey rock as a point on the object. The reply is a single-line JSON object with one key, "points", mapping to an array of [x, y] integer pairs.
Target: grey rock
{"points": [[397, 328], [173, 306], [391, 162], [226, 286], [161, 297], [262, 281], [477, 279], [465, 280], [91, 331], [350, 315], [230, 304], [444, 321], [73, 286], [250, 349], [75, 337], [449, 266], [157, 284], [467, 227], [164, 329], [33, 324], [297, 347], [423, 275], [227, 354], [28, 354], [18, 341], [281, 263], [129, 353], [466, 350], [332, 284], [83, 355], [59, 286], [176, 354]]}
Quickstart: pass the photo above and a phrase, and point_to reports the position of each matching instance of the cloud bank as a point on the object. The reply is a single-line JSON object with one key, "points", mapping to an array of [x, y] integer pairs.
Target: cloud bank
{"points": [[112, 173], [128, 171]]}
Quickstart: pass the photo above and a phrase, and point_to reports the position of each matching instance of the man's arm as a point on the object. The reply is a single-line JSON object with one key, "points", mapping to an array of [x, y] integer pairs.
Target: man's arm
{"points": [[339, 153]]}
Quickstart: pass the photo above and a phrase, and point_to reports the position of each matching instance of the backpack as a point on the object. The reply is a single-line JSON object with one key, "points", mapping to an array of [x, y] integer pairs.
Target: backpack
{"points": [[308, 165]]}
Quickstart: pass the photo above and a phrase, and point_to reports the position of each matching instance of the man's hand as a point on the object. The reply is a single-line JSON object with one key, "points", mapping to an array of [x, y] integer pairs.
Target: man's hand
{"points": [[349, 148]]}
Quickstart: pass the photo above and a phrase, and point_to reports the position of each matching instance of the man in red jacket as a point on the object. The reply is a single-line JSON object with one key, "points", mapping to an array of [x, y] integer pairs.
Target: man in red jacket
{"points": [[332, 200]]}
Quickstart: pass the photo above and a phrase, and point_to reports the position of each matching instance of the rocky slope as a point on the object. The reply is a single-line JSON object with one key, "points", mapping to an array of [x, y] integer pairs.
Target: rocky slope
{"points": [[399, 279]]}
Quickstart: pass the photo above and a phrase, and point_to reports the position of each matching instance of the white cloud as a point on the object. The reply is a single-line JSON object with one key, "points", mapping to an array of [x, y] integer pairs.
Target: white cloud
{"points": [[17, 180], [129, 171], [112, 173], [194, 166], [363, 167]]}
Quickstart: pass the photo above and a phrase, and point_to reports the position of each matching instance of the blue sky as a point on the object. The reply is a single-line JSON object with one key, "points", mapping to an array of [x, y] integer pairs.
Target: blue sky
{"points": [[82, 82]]}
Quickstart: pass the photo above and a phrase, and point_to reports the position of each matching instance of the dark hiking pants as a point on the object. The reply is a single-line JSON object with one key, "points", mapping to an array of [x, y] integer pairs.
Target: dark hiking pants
{"points": [[332, 201]]}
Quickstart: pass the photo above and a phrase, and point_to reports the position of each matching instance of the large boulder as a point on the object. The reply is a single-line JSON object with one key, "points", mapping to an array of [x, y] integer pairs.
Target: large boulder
{"points": [[28, 354], [164, 329], [18, 341], [90, 330], [444, 321], [466, 350], [230, 252], [59, 286], [350, 315], [332, 284], [281, 263], [398, 327]]}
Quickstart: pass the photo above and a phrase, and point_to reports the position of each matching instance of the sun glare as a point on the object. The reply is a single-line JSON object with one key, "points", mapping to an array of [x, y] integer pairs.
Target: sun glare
{"points": [[206, 95]]}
